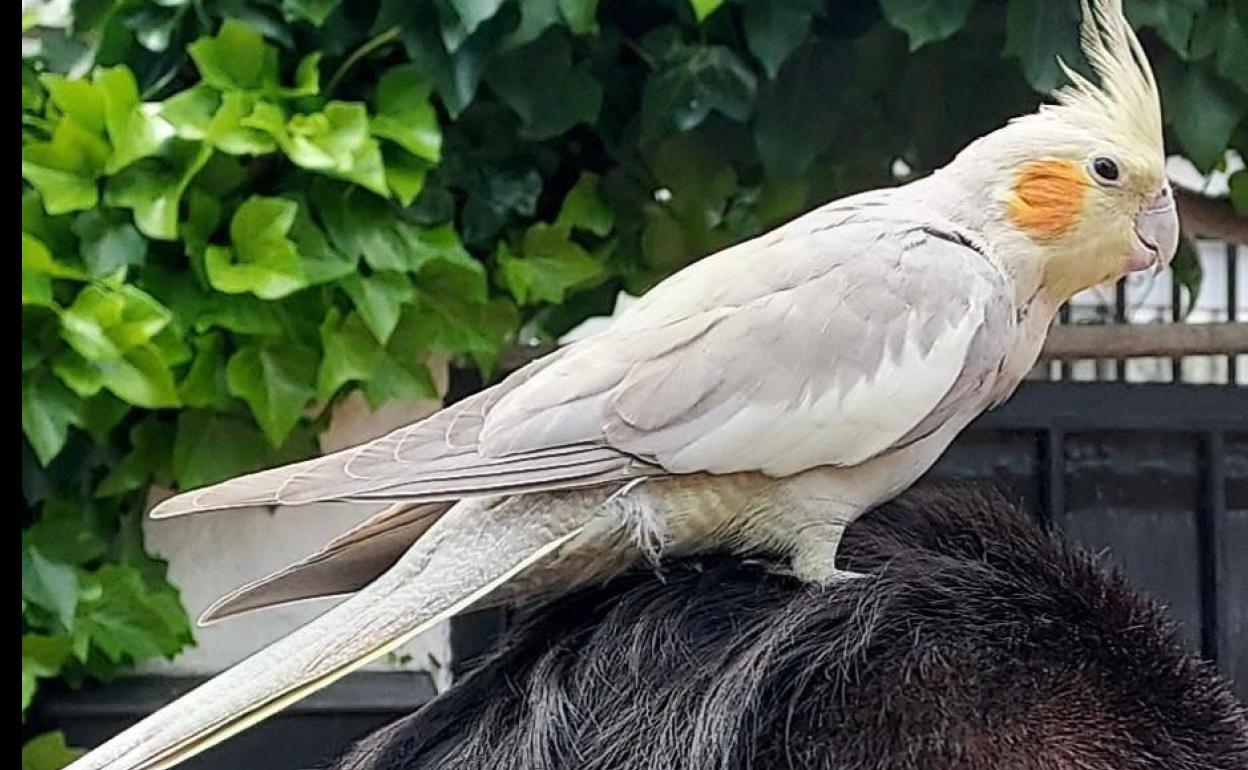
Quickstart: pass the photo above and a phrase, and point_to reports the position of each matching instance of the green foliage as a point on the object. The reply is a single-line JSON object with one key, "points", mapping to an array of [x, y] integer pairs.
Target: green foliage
{"points": [[47, 752], [235, 212]]}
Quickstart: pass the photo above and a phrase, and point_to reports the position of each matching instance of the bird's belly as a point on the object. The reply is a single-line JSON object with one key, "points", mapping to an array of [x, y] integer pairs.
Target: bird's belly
{"points": [[692, 513]]}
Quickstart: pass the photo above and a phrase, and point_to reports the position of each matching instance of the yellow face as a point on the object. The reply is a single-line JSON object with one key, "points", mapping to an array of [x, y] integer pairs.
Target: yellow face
{"points": [[1100, 218]]}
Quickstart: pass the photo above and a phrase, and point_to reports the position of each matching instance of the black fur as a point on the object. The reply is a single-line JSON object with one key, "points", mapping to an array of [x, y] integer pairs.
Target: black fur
{"points": [[979, 642]]}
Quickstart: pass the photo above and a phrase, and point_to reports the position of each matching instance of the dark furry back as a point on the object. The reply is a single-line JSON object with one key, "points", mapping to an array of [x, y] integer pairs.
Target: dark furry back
{"points": [[980, 642]]}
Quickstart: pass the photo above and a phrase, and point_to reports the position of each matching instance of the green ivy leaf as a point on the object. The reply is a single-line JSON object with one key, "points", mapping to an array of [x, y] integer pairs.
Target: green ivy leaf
{"points": [[1202, 110], [103, 322], [496, 195], [704, 8], [1037, 32], [335, 141], [107, 244], [153, 187], [129, 620], [141, 377], [190, 112], [38, 270], [64, 169], [197, 457], [277, 380], [53, 233], [351, 353], [584, 209], [404, 114], [452, 317], [796, 122], [133, 133], [700, 183], [551, 265], [48, 752], [1239, 192], [321, 262], [536, 16], [312, 11], [236, 58], [101, 413], [151, 445], [700, 80], [1187, 273], [361, 225], [400, 373], [379, 299], [926, 21], [405, 174], [775, 28], [70, 531], [42, 658], [1173, 20], [262, 260], [77, 99], [48, 409], [204, 386], [472, 13], [580, 15], [230, 131], [1220, 34], [456, 73], [541, 85], [49, 585]]}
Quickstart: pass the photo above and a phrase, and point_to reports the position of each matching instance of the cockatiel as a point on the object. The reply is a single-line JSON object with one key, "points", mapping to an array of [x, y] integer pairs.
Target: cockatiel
{"points": [[759, 400]]}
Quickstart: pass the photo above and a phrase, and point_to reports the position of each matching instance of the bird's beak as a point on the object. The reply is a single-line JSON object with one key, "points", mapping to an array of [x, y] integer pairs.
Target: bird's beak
{"points": [[1156, 234]]}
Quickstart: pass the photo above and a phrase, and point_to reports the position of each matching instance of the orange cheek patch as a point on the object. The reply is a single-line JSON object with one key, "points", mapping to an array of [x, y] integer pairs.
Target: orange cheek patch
{"points": [[1048, 196]]}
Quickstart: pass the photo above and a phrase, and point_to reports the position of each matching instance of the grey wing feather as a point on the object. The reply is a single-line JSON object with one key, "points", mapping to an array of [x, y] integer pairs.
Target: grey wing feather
{"points": [[344, 565]]}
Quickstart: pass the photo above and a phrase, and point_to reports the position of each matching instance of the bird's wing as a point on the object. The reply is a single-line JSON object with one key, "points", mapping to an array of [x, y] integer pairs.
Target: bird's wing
{"points": [[850, 331], [343, 566]]}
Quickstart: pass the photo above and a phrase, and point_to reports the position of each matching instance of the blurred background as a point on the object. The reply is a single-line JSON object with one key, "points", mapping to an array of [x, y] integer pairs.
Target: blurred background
{"points": [[254, 230]]}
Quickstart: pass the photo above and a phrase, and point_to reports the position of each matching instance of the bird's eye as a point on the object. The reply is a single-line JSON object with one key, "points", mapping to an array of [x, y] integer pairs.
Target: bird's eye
{"points": [[1105, 169]]}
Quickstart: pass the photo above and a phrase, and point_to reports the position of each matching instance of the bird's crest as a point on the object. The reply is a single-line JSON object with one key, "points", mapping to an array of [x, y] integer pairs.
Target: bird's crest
{"points": [[1126, 104]]}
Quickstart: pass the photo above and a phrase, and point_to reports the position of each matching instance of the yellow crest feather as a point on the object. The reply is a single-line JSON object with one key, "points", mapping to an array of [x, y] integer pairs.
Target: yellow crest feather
{"points": [[1126, 103]]}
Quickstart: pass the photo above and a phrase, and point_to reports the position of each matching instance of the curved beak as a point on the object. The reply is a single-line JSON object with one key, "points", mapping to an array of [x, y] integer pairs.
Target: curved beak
{"points": [[1156, 234]]}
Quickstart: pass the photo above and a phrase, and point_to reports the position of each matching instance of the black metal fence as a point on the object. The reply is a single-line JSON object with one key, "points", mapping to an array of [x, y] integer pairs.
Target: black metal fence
{"points": [[1153, 476]]}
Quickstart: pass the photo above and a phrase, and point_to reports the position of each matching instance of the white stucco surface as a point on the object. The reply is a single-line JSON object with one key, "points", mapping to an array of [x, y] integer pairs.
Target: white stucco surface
{"points": [[209, 554]]}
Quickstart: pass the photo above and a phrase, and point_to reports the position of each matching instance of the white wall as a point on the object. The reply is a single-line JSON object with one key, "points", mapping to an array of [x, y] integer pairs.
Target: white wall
{"points": [[210, 554]]}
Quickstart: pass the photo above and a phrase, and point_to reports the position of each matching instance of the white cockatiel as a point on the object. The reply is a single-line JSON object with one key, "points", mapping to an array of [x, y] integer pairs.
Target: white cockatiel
{"points": [[759, 400]]}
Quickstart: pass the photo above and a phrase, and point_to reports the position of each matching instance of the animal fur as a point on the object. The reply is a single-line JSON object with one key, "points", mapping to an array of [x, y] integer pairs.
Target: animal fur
{"points": [[980, 643]]}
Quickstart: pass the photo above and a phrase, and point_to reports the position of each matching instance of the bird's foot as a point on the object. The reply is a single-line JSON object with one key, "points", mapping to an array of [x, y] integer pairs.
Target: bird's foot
{"points": [[819, 567]]}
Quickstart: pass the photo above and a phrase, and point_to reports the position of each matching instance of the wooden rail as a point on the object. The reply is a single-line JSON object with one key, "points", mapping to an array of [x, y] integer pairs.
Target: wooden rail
{"points": [[1071, 342]]}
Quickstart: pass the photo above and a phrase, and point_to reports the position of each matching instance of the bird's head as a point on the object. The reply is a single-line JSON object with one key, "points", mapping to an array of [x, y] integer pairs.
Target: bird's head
{"points": [[1079, 188]]}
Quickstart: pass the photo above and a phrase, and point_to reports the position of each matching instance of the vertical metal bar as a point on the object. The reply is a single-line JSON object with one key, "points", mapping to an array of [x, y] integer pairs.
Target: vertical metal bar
{"points": [[1120, 316], [1052, 475], [1176, 316], [1232, 309], [1063, 366], [1211, 541]]}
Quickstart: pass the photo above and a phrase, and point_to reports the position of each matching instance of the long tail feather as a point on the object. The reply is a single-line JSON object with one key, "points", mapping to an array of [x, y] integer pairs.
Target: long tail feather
{"points": [[345, 565], [473, 549]]}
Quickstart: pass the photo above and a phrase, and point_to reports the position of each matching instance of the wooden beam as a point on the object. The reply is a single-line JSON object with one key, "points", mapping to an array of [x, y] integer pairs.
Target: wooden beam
{"points": [[1070, 342], [1076, 341]]}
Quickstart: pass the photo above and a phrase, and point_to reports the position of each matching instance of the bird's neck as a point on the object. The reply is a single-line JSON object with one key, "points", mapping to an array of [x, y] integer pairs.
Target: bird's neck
{"points": [[974, 191]]}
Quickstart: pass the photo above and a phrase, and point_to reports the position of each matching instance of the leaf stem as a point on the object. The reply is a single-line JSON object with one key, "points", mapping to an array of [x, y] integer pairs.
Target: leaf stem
{"points": [[369, 46], [642, 54]]}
